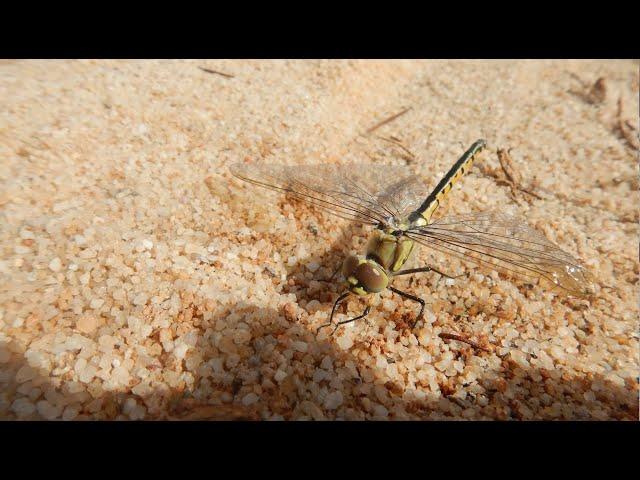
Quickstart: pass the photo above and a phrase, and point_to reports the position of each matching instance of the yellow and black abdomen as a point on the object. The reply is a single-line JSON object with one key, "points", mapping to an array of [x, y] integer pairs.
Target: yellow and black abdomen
{"points": [[422, 215]]}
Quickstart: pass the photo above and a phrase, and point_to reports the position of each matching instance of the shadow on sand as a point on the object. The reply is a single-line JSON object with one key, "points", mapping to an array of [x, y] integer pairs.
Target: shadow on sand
{"points": [[217, 392], [292, 397]]}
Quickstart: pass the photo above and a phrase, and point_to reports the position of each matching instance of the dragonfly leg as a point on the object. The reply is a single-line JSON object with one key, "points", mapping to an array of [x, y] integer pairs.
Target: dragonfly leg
{"points": [[362, 315], [415, 299], [335, 273], [333, 311], [425, 269]]}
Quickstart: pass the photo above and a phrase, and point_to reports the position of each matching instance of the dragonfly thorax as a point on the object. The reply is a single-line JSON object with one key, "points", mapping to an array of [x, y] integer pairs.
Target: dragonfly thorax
{"points": [[389, 248]]}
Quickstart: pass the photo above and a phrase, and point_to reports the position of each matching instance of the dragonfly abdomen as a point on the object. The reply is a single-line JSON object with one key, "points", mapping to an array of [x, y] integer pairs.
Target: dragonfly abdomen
{"points": [[423, 214]]}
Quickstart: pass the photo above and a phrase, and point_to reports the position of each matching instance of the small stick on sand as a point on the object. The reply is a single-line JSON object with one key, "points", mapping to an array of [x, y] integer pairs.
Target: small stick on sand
{"points": [[397, 142], [452, 336], [533, 194], [595, 95], [390, 119], [513, 177], [598, 92], [215, 72], [504, 157], [625, 128], [576, 77]]}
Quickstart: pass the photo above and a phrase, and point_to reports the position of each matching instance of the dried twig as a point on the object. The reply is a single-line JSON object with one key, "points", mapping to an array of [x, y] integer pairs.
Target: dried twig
{"points": [[510, 176], [576, 77], [390, 119], [269, 271], [626, 128], [506, 163], [215, 72], [595, 95], [453, 336], [397, 142], [598, 92]]}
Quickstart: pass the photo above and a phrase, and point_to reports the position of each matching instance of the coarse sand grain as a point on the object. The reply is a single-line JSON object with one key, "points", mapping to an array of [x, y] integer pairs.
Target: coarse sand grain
{"points": [[140, 280]]}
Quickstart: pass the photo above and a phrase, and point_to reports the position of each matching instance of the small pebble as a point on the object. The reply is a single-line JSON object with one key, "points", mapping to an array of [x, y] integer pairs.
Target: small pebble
{"points": [[96, 303], [25, 373], [87, 324], [333, 400], [23, 407], [70, 412], [5, 354], [140, 299], [300, 346], [48, 411], [380, 411], [250, 399], [55, 265], [345, 342]]}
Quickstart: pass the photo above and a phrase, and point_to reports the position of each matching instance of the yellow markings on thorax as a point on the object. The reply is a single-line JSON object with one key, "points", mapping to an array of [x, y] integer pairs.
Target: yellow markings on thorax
{"points": [[403, 250], [389, 251]]}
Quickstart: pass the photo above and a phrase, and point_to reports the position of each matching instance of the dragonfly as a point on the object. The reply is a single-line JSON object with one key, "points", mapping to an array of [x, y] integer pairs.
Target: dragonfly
{"points": [[395, 203]]}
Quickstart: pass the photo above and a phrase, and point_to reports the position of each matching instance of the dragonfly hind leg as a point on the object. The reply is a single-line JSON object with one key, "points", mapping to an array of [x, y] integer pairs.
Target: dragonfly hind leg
{"points": [[425, 269], [415, 299]]}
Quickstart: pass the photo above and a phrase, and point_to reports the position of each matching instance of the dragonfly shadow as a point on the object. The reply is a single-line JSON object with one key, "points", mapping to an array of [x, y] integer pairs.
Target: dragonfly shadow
{"points": [[273, 373], [236, 377]]}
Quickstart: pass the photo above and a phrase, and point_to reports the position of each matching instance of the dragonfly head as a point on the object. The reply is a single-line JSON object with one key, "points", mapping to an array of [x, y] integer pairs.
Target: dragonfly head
{"points": [[364, 276]]}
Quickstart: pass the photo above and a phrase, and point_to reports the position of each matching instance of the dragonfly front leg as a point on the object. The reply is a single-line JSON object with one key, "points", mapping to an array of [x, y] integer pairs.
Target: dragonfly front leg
{"points": [[333, 311], [362, 315], [415, 299], [334, 273]]}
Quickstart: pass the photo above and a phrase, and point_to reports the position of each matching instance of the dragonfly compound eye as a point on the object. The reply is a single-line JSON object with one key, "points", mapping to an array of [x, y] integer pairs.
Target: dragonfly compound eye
{"points": [[371, 277], [349, 265]]}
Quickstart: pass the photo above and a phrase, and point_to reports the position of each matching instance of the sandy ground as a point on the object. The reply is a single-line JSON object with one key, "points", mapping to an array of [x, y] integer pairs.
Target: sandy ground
{"points": [[138, 280]]}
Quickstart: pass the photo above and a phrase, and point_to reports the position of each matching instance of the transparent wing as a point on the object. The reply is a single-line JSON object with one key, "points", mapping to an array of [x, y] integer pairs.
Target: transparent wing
{"points": [[503, 242], [363, 193]]}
